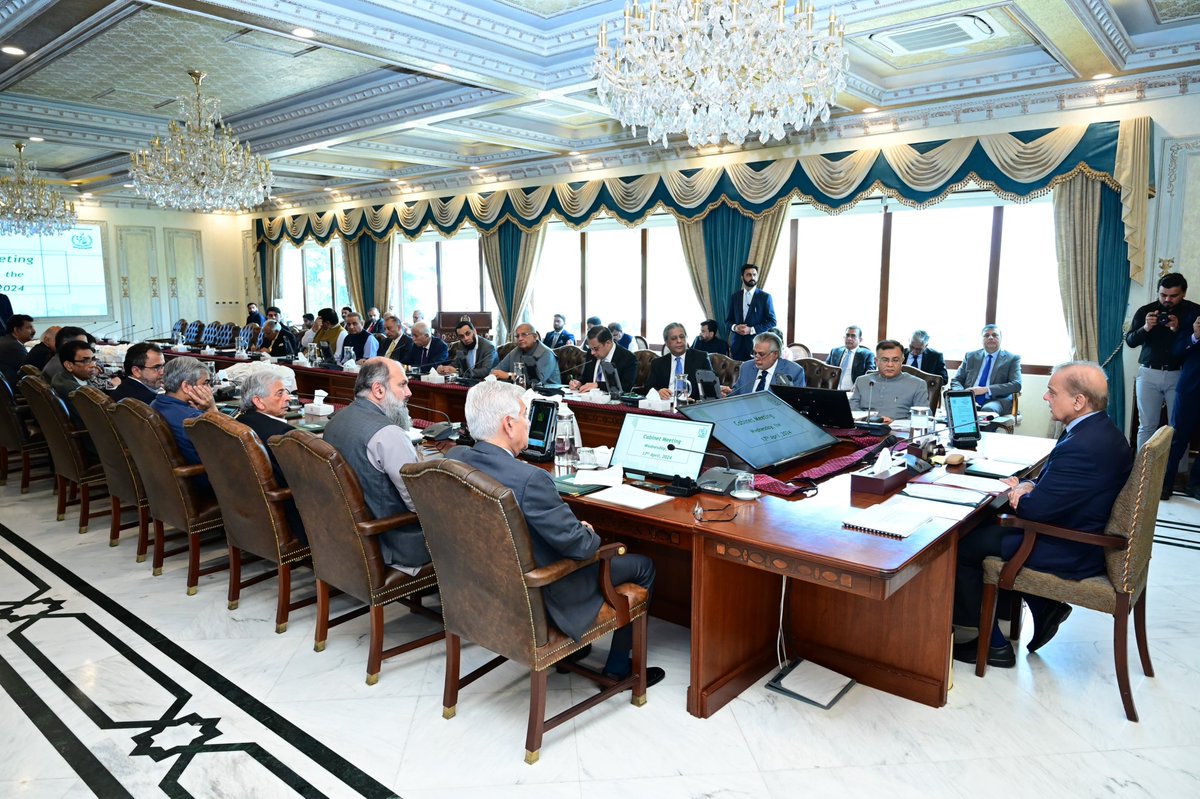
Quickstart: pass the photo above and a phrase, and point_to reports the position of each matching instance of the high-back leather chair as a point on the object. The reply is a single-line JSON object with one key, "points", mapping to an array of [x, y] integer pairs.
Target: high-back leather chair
{"points": [[934, 382], [170, 486], [1127, 541], [73, 466], [29, 369], [253, 506], [644, 359], [19, 434], [640, 343], [178, 327], [226, 336], [194, 334], [345, 552], [799, 351], [504, 349], [120, 472], [570, 361], [725, 368], [818, 374], [491, 590]]}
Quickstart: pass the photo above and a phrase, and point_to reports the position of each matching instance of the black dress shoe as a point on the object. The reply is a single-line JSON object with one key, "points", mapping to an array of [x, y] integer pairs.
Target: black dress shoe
{"points": [[1002, 657], [654, 675], [1166, 493], [1194, 491], [1046, 625], [575, 657]]}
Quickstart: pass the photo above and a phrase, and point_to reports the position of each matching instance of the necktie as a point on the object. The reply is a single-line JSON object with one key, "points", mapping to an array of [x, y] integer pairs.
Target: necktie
{"points": [[915, 361], [391, 347], [747, 296], [424, 352], [762, 381], [847, 380], [599, 378], [983, 379], [678, 366]]}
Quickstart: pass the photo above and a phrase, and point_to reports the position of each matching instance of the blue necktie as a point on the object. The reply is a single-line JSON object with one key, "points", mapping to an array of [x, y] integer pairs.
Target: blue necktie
{"points": [[678, 366], [983, 379], [762, 381]]}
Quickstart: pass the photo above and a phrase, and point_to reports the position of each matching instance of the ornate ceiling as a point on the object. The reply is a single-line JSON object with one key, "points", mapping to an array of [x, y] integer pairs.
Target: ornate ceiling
{"points": [[392, 98]]}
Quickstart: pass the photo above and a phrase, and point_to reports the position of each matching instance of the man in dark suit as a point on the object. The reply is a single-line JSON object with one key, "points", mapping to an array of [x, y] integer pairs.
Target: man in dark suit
{"points": [[854, 359], [559, 336], [765, 369], [364, 344], [1076, 488], [602, 348], [396, 343], [991, 373], [619, 335], [920, 355], [1187, 404], [373, 324], [708, 341], [474, 356], [264, 404], [278, 341], [499, 420], [678, 360], [426, 351], [144, 366], [12, 346], [79, 368], [751, 311]]}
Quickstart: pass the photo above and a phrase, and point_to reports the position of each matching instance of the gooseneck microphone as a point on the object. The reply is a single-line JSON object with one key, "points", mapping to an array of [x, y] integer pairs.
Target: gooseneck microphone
{"points": [[717, 480], [439, 431], [872, 417]]}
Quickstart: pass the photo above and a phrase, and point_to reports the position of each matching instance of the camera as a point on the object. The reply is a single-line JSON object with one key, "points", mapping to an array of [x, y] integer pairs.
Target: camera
{"points": [[1163, 316]]}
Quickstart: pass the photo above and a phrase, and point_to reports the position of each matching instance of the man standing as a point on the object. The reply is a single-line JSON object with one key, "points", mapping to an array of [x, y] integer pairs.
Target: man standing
{"points": [[253, 317], [765, 368], [475, 356], [398, 343], [498, 418], [559, 336], [371, 434], [854, 359], [708, 341], [678, 361], [993, 375], [921, 356], [751, 311], [365, 345], [12, 346], [264, 404], [1076, 488], [529, 351], [426, 351], [891, 392], [1155, 328], [1187, 405], [144, 366], [603, 349]]}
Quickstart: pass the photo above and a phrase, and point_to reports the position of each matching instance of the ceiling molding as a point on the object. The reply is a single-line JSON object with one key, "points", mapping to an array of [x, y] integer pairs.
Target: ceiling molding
{"points": [[1105, 28]]}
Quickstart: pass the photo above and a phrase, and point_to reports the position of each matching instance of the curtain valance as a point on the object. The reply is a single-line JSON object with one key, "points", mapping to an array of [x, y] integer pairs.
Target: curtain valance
{"points": [[1015, 166]]}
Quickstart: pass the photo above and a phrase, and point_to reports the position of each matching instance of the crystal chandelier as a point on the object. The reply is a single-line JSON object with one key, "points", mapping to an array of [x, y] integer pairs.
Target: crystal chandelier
{"points": [[721, 68], [199, 165], [29, 207]]}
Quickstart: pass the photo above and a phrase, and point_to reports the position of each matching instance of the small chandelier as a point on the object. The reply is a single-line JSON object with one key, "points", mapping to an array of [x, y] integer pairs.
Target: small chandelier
{"points": [[28, 206], [721, 68], [199, 165]]}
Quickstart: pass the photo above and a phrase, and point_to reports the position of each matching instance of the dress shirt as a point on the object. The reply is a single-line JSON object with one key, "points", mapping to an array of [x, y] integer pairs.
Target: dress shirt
{"points": [[599, 375], [847, 381], [747, 298], [758, 377], [891, 397], [1158, 345]]}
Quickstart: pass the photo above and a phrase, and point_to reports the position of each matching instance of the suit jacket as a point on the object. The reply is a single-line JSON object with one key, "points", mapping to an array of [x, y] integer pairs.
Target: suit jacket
{"points": [[761, 318], [573, 601], [624, 361], [403, 344], [132, 387], [1003, 381], [284, 343], [373, 327], [485, 359], [748, 376], [265, 426], [63, 384], [439, 353], [1077, 487], [624, 341], [39, 355], [12, 356], [661, 369], [864, 361], [560, 339], [714, 346], [931, 362]]}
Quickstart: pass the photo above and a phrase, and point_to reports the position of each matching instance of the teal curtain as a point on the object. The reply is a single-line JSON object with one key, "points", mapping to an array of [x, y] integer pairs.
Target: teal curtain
{"points": [[727, 235], [1112, 290], [366, 261], [260, 252]]}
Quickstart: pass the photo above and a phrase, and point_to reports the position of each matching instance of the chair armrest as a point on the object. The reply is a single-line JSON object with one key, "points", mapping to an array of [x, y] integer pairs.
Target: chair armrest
{"points": [[78, 434], [545, 575], [191, 470], [278, 494], [1033, 529], [377, 526]]}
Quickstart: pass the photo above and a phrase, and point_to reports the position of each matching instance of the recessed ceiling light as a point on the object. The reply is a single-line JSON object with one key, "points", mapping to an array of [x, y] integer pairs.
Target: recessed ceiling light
{"points": [[573, 152], [1102, 76], [127, 185], [474, 169], [440, 67], [86, 194], [36, 138], [10, 50], [327, 188], [870, 109], [393, 180], [303, 33]]}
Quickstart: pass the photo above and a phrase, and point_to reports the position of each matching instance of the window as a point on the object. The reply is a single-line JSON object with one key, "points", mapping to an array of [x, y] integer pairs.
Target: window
{"points": [[1029, 307], [419, 284], [670, 296], [312, 277], [460, 273], [614, 275], [557, 282]]}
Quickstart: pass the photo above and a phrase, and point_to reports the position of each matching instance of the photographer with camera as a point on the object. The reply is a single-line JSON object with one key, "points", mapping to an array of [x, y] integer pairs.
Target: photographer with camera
{"points": [[1154, 329]]}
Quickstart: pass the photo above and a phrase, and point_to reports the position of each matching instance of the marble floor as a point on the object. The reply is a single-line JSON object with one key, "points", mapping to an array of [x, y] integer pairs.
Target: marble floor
{"points": [[118, 684]]}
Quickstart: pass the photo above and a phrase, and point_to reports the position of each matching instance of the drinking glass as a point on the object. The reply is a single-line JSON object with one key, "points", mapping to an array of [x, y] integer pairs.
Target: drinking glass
{"points": [[682, 389], [919, 420]]}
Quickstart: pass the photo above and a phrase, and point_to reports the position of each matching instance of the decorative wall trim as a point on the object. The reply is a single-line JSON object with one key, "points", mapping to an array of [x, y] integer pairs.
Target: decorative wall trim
{"points": [[185, 261]]}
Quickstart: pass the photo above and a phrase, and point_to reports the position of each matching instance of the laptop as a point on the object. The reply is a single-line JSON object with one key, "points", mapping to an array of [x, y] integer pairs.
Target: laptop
{"points": [[825, 407]]}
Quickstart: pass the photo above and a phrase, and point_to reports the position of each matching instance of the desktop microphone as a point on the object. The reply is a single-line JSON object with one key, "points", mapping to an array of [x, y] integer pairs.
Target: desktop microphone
{"points": [[439, 431], [718, 479], [872, 417]]}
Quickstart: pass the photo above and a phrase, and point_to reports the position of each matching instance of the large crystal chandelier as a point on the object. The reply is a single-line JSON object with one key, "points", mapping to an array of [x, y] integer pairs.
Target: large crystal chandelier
{"points": [[198, 164], [29, 207], [721, 68]]}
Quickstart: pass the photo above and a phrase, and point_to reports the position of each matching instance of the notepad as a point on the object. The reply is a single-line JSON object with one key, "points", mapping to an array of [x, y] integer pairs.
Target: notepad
{"points": [[985, 467], [940, 493], [989, 484], [888, 521]]}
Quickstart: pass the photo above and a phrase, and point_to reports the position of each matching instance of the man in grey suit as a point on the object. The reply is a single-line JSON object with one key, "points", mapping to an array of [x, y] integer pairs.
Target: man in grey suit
{"points": [[993, 375], [854, 359], [499, 421], [473, 357], [765, 369]]}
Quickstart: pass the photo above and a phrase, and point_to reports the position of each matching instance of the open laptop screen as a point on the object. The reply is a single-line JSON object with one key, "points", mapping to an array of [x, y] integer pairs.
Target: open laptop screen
{"points": [[761, 428], [642, 446]]}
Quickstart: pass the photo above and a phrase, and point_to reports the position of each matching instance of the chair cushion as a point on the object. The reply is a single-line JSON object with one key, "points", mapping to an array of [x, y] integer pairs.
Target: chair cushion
{"points": [[1096, 593], [559, 645]]}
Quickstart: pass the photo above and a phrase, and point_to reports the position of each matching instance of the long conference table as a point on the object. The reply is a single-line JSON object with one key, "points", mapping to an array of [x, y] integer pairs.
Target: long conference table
{"points": [[876, 609]]}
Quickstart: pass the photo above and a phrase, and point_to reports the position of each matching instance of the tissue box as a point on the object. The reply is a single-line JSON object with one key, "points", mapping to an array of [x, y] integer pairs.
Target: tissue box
{"points": [[432, 377], [312, 409], [654, 404], [879, 483]]}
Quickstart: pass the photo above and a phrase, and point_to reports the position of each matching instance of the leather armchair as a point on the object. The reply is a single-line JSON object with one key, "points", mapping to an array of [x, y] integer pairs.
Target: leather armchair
{"points": [[726, 368], [170, 488], [345, 552], [253, 506], [19, 434], [491, 590], [570, 359], [124, 484], [644, 359], [818, 374], [934, 382]]}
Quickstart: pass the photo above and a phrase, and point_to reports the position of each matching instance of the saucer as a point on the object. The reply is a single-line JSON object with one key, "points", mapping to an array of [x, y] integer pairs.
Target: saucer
{"points": [[587, 466], [745, 494]]}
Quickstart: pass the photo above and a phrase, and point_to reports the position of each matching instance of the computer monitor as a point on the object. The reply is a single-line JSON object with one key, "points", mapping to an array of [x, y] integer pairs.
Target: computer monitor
{"points": [[643, 447], [827, 407], [761, 429]]}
